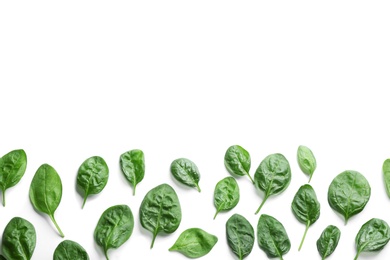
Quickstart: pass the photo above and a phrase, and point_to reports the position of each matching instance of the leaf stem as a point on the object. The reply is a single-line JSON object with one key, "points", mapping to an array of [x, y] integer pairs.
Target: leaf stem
{"points": [[311, 175], [253, 182], [304, 235], [357, 255], [3, 197], [154, 238], [134, 190], [58, 227], [197, 187], [105, 253], [85, 200], [216, 213], [262, 203]]}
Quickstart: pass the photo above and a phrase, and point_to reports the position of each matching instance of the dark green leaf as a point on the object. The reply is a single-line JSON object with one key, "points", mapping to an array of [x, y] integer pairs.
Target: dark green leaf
{"points": [[272, 237], [226, 194], [186, 172], [240, 235], [328, 241], [238, 161], [133, 166], [386, 175], [12, 168], [70, 250], [46, 192], [306, 160], [19, 239], [273, 176], [372, 236], [160, 211], [306, 207], [194, 243], [114, 227], [2, 257], [349, 193], [92, 176]]}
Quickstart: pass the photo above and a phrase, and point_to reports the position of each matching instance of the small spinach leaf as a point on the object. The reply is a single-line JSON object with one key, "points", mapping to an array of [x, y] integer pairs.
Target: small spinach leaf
{"points": [[70, 250], [238, 161], [328, 241], [226, 194], [114, 227], [133, 166], [186, 172], [306, 160], [386, 175], [240, 235], [306, 207], [160, 211], [194, 243]]}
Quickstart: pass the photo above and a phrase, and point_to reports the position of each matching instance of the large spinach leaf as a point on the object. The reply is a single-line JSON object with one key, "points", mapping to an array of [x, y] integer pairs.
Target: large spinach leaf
{"points": [[386, 175], [240, 235], [186, 172], [160, 211], [226, 194], [349, 193], [238, 161], [133, 166], [46, 192], [328, 241], [306, 207], [70, 250], [273, 176], [114, 227], [306, 160]]}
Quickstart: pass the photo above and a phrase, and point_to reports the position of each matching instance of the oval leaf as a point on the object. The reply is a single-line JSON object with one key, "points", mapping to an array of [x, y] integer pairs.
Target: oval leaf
{"points": [[273, 176], [386, 175], [194, 243], [160, 211], [133, 166], [70, 250], [238, 161], [114, 227], [226, 194], [306, 160], [349, 193], [186, 172], [328, 241], [240, 235]]}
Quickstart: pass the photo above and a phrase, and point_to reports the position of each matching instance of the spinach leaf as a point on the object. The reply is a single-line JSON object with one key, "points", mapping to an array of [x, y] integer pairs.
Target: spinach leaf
{"points": [[272, 237], [226, 194], [186, 172], [272, 176], [349, 193], [46, 192], [306, 207], [386, 175], [240, 235], [92, 176], [114, 227], [160, 211], [12, 168], [372, 236], [19, 239], [238, 161], [133, 166], [194, 243], [70, 250], [328, 241], [306, 160]]}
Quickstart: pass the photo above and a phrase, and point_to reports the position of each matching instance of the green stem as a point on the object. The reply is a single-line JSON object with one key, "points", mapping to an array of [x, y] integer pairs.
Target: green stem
{"points": [[105, 253], [253, 182], [154, 238], [134, 190], [357, 255], [304, 235], [311, 175], [216, 213], [58, 227], [197, 187], [3, 197], [262, 203], [281, 257], [85, 200]]}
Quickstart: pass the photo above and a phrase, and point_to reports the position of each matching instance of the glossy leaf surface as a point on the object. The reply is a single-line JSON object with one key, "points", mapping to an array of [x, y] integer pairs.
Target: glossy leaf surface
{"points": [[133, 167], [186, 172], [70, 250], [328, 241], [240, 236], [226, 194], [238, 161], [306, 160]]}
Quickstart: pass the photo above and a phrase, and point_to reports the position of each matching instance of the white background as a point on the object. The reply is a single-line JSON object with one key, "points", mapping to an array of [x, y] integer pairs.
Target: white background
{"points": [[189, 79]]}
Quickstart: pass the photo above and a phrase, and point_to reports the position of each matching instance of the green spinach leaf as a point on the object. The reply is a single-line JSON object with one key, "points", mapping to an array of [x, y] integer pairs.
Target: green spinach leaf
{"points": [[19, 239], [238, 161], [306, 207], [70, 250], [12, 168], [194, 243], [46, 192], [133, 166], [160, 211], [273, 176], [114, 227], [272, 237], [186, 172], [226, 194], [92, 176], [240, 235], [349, 193], [328, 241], [386, 175], [306, 160], [372, 236]]}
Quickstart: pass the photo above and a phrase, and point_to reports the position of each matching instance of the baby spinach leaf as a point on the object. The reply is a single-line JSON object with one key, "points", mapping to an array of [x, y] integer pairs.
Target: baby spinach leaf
{"points": [[240, 235], [160, 211], [12, 168], [272, 176], [238, 161], [70, 250], [92, 176], [226, 194], [349, 193], [272, 237], [194, 243], [372, 236], [306, 207], [46, 192], [114, 227], [386, 175], [328, 241], [186, 172], [19, 239], [306, 160], [133, 166]]}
